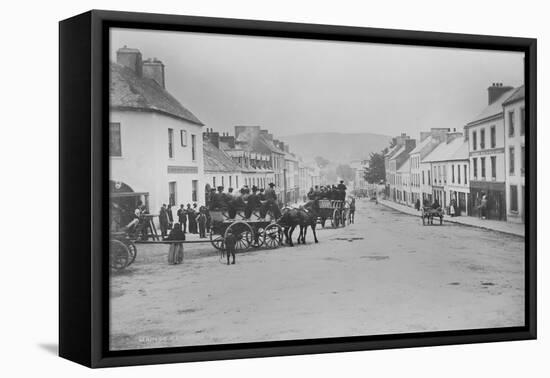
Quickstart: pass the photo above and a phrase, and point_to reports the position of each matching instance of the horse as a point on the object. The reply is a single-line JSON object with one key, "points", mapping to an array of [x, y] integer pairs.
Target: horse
{"points": [[351, 214], [293, 218]]}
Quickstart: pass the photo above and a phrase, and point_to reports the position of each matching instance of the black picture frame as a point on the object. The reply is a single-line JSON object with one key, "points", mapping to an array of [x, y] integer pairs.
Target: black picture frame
{"points": [[83, 167]]}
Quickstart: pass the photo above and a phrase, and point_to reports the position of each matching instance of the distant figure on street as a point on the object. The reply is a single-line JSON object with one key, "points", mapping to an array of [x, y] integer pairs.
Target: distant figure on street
{"points": [[170, 216], [483, 207], [417, 205], [191, 214], [201, 222], [352, 211]]}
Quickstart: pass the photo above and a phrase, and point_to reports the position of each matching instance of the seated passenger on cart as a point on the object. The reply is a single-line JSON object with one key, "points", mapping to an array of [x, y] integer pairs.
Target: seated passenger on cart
{"points": [[253, 203], [271, 202]]}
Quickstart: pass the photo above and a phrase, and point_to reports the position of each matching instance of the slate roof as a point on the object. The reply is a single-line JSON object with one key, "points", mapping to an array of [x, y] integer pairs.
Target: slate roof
{"points": [[493, 109], [519, 94], [215, 160], [405, 167], [420, 146], [130, 91], [457, 149]]}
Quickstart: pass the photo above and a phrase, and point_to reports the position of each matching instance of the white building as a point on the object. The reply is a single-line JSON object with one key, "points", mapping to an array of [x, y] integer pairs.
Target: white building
{"points": [[514, 131], [155, 142], [403, 183], [485, 135], [219, 167], [449, 168]]}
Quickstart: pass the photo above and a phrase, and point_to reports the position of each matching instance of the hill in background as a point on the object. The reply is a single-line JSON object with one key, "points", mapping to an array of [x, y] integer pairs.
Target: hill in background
{"points": [[336, 147]]}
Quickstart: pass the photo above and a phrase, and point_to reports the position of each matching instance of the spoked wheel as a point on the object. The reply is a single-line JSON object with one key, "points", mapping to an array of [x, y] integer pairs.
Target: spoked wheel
{"points": [[244, 235], [343, 218], [273, 236], [132, 249], [216, 240], [119, 254], [259, 237], [335, 221]]}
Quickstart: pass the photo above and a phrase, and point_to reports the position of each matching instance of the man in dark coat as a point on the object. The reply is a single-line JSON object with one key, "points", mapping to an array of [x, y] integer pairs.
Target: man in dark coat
{"points": [[191, 219], [252, 203], [163, 220], [341, 190], [271, 201], [182, 218]]}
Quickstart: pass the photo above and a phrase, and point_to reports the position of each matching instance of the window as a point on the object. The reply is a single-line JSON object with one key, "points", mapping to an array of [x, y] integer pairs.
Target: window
{"points": [[511, 123], [482, 139], [474, 140], [194, 190], [230, 181], [465, 174], [115, 148], [514, 197], [429, 179], [183, 137], [453, 173], [237, 181], [494, 167], [512, 156], [172, 193], [458, 173], [493, 137], [214, 181], [482, 162], [193, 147], [223, 184], [522, 160], [170, 143], [522, 122]]}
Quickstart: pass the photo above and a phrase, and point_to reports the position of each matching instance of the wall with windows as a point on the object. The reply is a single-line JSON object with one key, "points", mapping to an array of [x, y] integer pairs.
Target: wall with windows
{"points": [[514, 128], [486, 145], [150, 158]]}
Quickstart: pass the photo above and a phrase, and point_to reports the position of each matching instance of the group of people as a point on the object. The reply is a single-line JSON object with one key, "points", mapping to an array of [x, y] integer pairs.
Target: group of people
{"points": [[246, 198], [331, 192], [192, 219]]}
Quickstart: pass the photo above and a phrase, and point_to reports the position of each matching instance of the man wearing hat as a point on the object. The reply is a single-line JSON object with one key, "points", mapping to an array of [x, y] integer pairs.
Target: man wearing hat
{"points": [[271, 200], [342, 191], [253, 202]]}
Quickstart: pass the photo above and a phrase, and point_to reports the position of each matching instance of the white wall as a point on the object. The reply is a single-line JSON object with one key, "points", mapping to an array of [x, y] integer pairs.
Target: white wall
{"points": [[30, 331], [145, 160], [487, 152], [517, 178]]}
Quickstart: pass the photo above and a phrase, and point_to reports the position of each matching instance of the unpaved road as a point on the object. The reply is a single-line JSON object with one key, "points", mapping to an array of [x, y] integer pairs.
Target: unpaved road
{"points": [[384, 274]]}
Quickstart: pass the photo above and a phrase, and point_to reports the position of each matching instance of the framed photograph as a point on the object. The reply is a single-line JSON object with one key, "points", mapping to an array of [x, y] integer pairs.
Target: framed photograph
{"points": [[332, 189]]}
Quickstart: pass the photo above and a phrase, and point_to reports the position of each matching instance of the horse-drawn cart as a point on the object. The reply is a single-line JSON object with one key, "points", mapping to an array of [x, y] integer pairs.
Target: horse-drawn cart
{"points": [[255, 231], [429, 213], [122, 250], [333, 210]]}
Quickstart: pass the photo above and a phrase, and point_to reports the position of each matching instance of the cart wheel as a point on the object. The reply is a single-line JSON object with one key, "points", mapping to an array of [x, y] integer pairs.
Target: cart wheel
{"points": [[259, 237], [132, 250], [273, 236], [119, 254], [343, 219], [243, 233], [216, 240], [335, 221]]}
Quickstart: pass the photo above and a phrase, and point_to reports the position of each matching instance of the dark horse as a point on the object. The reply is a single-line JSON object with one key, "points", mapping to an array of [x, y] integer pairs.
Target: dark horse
{"points": [[304, 217]]}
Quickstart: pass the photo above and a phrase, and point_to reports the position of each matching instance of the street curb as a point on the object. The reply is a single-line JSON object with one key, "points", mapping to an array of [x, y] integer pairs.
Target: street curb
{"points": [[454, 221]]}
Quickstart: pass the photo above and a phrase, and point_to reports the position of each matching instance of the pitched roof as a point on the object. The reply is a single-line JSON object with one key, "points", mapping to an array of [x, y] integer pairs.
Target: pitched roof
{"points": [[457, 149], [215, 160], [493, 109], [392, 150], [519, 94], [399, 151], [405, 167], [130, 91], [420, 146]]}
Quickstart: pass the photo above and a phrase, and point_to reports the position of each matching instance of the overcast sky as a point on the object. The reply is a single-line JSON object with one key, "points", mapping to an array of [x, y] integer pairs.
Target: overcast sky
{"points": [[293, 86]]}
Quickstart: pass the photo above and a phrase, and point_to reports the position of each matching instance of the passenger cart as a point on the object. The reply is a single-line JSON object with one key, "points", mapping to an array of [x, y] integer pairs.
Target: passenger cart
{"points": [[428, 215], [332, 210], [254, 231]]}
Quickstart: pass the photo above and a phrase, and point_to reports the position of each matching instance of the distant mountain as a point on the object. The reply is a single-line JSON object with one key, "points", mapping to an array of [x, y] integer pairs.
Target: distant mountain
{"points": [[336, 147]]}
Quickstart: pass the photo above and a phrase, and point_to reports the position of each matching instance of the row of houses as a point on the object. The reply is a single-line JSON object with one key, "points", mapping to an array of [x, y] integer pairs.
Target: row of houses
{"points": [[460, 168], [160, 152]]}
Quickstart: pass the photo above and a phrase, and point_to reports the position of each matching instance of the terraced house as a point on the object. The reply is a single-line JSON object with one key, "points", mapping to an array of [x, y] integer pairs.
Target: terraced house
{"points": [[486, 142]]}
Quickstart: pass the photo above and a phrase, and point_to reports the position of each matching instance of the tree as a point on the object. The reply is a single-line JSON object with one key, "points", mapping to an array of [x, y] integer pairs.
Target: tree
{"points": [[321, 162], [376, 171], [345, 172]]}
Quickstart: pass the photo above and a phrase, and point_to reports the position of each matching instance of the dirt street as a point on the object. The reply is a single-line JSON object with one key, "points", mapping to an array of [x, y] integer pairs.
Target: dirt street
{"points": [[384, 274]]}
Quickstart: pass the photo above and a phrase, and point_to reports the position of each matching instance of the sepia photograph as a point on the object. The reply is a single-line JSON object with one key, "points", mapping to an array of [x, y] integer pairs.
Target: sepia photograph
{"points": [[271, 189]]}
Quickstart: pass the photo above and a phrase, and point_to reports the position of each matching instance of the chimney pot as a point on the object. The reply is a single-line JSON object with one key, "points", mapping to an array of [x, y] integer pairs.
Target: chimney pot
{"points": [[130, 58], [154, 70]]}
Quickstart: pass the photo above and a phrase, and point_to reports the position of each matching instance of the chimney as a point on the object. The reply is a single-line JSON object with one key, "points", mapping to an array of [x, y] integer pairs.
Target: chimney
{"points": [[496, 90], [214, 138], [400, 140], [154, 69], [230, 140], [130, 58], [410, 144], [449, 137]]}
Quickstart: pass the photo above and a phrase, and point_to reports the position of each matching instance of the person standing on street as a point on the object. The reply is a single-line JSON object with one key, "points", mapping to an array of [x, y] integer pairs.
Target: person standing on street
{"points": [[182, 218], [163, 220]]}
